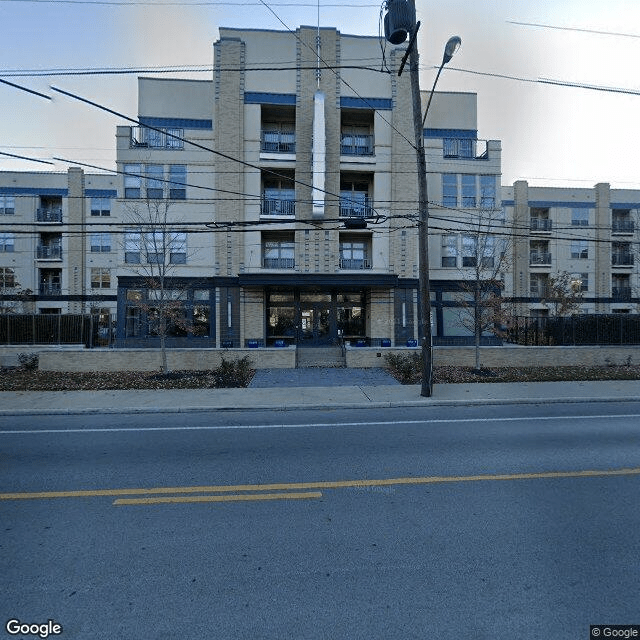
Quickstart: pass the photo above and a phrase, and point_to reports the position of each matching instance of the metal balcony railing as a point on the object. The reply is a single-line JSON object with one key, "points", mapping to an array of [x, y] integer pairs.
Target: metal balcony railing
{"points": [[465, 148], [540, 224], [277, 142], [279, 263], [50, 290], [49, 252], [283, 206], [354, 263], [353, 205], [623, 226], [540, 257], [356, 145], [622, 259], [621, 293], [165, 138], [48, 215]]}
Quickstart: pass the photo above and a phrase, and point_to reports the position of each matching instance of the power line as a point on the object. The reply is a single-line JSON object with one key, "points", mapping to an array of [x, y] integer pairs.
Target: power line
{"points": [[579, 29]]}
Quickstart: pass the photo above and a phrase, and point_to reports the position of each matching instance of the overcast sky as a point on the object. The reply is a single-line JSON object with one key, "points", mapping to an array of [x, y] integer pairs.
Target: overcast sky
{"points": [[551, 135]]}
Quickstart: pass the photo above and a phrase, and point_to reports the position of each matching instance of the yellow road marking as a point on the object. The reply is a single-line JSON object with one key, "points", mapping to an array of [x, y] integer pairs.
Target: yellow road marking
{"points": [[329, 484], [225, 498]]}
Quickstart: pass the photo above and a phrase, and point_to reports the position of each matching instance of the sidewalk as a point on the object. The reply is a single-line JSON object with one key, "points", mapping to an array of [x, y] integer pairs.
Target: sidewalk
{"points": [[318, 397]]}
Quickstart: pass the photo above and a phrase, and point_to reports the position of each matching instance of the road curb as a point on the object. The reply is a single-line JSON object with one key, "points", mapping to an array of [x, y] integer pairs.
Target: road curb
{"points": [[426, 402]]}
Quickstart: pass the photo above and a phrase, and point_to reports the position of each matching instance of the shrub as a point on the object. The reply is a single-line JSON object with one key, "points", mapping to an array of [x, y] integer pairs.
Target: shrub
{"points": [[233, 373], [405, 368], [29, 361]]}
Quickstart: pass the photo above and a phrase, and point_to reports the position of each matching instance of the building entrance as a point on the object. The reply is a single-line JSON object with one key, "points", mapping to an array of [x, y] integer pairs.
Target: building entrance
{"points": [[312, 318]]}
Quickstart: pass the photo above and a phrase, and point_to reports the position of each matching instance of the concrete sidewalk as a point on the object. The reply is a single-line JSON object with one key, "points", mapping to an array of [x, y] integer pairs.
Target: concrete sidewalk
{"points": [[327, 397]]}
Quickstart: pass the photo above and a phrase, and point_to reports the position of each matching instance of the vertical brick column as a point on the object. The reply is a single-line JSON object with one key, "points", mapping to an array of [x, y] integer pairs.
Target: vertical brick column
{"points": [[520, 245], [602, 249]]}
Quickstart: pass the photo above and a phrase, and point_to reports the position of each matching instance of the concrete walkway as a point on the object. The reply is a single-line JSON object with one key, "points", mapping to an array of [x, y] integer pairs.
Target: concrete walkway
{"points": [[351, 394]]}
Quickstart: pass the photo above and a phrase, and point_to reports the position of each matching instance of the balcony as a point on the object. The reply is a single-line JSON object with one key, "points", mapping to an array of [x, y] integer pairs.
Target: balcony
{"points": [[539, 257], [277, 142], [621, 294], [279, 263], [541, 224], [355, 263], [356, 144], [145, 138], [282, 203], [49, 252], [355, 205], [622, 259], [48, 214], [48, 289], [622, 226], [465, 148]]}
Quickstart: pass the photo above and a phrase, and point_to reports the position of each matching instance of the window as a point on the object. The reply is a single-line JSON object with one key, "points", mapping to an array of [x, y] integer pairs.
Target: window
{"points": [[100, 242], [100, 278], [580, 217], [579, 249], [354, 195], [538, 284], [155, 247], [449, 251], [278, 195], [100, 206], [468, 191], [7, 205], [177, 181], [132, 247], [7, 278], [487, 192], [469, 251], [132, 180], [354, 253], [7, 242], [155, 185], [178, 248], [450, 190], [580, 281], [278, 253]]}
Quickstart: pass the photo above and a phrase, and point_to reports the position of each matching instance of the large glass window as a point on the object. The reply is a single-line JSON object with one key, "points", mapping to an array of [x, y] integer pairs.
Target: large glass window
{"points": [[580, 217], [100, 278], [7, 278], [132, 247], [278, 252], [579, 249]]}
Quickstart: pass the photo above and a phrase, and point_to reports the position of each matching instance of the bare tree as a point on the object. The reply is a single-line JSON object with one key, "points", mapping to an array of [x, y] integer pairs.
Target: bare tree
{"points": [[485, 258], [563, 294], [154, 246]]}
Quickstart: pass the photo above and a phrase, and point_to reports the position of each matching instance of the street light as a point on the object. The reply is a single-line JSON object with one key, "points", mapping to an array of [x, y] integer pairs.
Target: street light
{"points": [[451, 47], [399, 22]]}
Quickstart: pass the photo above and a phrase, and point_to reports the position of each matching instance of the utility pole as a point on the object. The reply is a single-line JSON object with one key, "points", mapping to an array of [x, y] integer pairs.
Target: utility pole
{"points": [[401, 12]]}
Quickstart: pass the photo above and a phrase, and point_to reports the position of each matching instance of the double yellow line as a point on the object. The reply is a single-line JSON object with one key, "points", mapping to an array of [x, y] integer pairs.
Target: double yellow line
{"points": [[291, 491]]}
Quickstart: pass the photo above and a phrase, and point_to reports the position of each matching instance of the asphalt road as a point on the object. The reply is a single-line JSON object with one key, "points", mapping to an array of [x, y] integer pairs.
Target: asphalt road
{"points": [[491, 523]]}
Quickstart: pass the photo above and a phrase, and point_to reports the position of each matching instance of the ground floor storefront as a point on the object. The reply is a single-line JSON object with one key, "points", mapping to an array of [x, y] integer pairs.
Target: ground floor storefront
{"points": [[303, 311]]}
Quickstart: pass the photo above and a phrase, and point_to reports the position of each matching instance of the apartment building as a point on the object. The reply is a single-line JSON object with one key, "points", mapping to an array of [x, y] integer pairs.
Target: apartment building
{"points": [[278, 199], [58, 249], [591, 234], [304, 174]]}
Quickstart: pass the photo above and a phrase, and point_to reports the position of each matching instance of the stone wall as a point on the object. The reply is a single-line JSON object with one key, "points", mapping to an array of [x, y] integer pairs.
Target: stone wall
{"points": [[506, 356]]}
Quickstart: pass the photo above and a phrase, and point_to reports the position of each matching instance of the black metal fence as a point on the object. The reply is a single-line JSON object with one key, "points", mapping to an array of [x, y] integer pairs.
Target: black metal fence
{"points": [[89, 330], [611, 329]]}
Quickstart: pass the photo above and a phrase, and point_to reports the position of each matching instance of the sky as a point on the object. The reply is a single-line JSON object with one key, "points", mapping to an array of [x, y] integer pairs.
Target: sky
{"points": [[551, 135]]}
